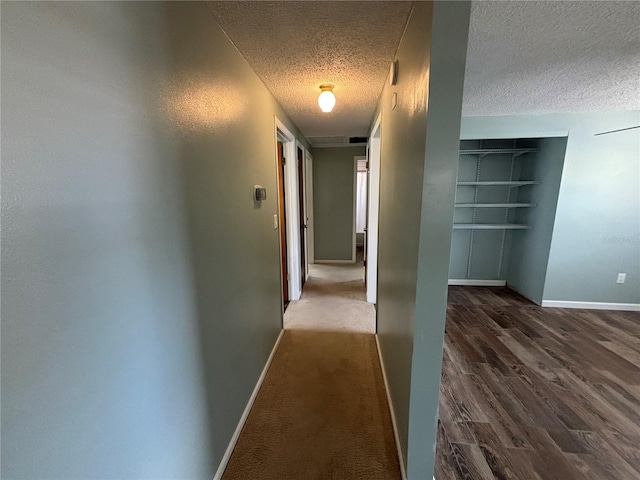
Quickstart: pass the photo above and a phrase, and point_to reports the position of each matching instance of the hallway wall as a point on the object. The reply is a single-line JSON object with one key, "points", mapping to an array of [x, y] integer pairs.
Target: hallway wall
{"points": [[333, 202], [419, 159], [130, 239]]}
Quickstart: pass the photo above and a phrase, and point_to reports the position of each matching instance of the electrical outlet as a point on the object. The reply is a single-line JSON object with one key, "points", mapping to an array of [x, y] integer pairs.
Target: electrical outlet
{"points": [[621, 278]]}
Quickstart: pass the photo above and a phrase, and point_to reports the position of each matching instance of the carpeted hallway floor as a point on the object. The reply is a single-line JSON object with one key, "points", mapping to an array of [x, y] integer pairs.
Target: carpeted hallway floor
{"points": [[333, 299], [321, 414]]}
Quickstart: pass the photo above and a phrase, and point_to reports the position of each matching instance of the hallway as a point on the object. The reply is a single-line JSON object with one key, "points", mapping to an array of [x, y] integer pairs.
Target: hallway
{"points": [[321, 413], [170, 168], [333, 299], [322, 410]]}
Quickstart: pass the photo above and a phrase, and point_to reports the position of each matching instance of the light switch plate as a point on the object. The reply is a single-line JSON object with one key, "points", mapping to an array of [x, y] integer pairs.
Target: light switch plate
{"points": [[275, 222]]}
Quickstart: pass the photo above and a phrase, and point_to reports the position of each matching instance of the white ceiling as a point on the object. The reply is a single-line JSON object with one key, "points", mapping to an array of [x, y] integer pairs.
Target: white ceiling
{"points": [[297, 46], [524, 56], [552, 56]]}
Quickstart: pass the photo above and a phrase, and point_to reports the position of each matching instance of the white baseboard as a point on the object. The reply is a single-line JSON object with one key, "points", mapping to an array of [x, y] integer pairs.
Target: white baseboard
{"points": [[334, 261], [403, 472], [631, 307], [477, 283], [245, 414]]}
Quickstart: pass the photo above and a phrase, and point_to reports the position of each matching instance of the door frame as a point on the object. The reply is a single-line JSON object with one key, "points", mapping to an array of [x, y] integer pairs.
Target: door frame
{"points": [[304, 216], [375, 151], [356, 159], [283, 134], [308, 159]]}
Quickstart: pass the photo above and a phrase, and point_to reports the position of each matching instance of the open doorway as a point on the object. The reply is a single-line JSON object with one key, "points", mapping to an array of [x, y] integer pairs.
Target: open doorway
{"points": [[303, 218], [373, 208], [361, 201], [282, 224], [288, 216]]}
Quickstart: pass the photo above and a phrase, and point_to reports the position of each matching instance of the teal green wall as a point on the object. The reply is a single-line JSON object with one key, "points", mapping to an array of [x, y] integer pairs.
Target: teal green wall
{"points": [[333, 202], [130, 240], [419, 153], [596, 234], [528, 252]]}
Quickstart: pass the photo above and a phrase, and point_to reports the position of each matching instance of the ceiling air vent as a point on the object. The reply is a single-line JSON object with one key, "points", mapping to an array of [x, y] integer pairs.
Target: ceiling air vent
{"points": [[357, 139]]}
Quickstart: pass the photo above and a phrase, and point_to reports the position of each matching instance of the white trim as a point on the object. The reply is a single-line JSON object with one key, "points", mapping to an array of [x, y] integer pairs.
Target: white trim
{"points": [[291, 209], [309, 184], [631, 307], [305, 215], [354, 234], [394, 424], [477, 283], [245, 414], [335, 261], [373, 205]]}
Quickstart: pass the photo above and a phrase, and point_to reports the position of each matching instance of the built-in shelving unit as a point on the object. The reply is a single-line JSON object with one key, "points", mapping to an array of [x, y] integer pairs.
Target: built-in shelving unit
{"points": [[491, 178], [506, 195], [495, 205], [508, 157], [499, 183], [516, 152], [490, 226]]}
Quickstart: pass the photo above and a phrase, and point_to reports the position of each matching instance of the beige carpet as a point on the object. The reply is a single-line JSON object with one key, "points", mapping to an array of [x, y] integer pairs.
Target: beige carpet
{"points": [[321, 414], [333, 299]]}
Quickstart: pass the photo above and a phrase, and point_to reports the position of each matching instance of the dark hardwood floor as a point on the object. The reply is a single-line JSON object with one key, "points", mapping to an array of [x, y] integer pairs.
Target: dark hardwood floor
{"points": [[533, 393]]}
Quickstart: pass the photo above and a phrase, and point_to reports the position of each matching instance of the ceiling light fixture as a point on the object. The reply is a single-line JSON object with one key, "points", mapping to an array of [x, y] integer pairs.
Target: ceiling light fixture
{"points": [[326, 100]]}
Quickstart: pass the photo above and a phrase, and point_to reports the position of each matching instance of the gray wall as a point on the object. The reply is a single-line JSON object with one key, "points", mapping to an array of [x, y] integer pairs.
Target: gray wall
{"points": [[597, 227], [419, 162], [130, 241], [333, 202], [528, 255]]}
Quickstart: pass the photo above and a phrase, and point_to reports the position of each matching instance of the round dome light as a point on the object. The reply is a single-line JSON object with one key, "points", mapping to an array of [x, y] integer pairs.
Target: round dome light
{"points": [[326, 100]]}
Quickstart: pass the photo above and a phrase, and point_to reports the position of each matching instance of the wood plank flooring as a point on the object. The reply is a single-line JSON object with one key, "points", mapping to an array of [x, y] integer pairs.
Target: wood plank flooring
{"points": [[533, 393]]}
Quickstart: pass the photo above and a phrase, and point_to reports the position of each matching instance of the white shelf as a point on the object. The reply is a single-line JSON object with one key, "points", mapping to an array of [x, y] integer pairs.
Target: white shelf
{"points": [[499, 183], [496, 205], [490, 226], [488, 151]]}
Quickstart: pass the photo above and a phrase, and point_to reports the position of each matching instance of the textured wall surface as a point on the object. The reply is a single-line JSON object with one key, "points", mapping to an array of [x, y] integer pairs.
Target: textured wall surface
{"points": [[130, 240], [297, 46], [417, 184], [446, 78], [596, 233], [544, 57], [402, 165], [333, 202]]}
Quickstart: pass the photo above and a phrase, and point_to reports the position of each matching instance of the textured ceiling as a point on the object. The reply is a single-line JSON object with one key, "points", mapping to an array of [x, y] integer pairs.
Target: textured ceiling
{"points": [[296, 46], [544, 56], [524, 56]]}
